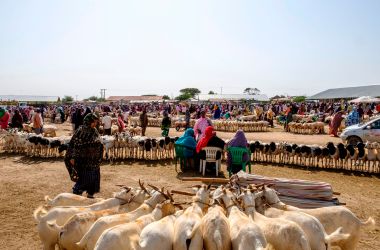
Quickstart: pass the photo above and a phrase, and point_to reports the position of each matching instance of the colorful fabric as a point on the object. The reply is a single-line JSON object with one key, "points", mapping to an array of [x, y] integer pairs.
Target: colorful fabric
{"points": [[209, 133], [352, 118], [239, 140], [200, 127], [86, 149], [187, 140], [335, 123], [4, 120]]}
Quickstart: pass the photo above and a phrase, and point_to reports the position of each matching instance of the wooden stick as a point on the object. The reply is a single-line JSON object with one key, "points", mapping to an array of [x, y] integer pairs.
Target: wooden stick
{"points": [[336, 193], [182, 192], [207, 180]]}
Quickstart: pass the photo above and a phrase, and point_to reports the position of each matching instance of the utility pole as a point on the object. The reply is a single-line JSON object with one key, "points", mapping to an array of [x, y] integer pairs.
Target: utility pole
{"points": [[103, 93], [221, 90], [76, 98]]}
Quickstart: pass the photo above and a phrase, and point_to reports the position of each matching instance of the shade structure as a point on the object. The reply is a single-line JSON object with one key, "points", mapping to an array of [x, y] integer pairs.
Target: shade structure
{"points": [[365, 99]]}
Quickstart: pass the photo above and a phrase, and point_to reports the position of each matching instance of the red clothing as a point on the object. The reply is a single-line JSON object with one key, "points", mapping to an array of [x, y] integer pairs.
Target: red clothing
{"points": [[209, 133], [4, 120], [120, 124]]}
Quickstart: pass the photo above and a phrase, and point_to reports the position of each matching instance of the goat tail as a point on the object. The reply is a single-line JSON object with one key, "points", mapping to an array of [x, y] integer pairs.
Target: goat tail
{"points": [[39, 212], [335, 236], [370, 223], [190, 234], [47, 199]]}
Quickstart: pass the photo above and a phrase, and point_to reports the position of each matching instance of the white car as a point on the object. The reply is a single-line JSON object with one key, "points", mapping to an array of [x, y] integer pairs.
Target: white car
{"points": [[363, 132]]}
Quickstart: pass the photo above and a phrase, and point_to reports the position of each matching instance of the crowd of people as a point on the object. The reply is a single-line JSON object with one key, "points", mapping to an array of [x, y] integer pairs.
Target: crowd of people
{"points": [[84, 154]]}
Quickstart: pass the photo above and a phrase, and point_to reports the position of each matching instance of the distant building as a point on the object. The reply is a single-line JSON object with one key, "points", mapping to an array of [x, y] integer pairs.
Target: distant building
{"points": [[347, 93], [231, 98], [134, 99], [29, 99]]}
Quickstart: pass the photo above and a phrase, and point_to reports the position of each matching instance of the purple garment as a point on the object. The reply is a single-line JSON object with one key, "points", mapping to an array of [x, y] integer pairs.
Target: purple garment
{"points": [[239, 140]]}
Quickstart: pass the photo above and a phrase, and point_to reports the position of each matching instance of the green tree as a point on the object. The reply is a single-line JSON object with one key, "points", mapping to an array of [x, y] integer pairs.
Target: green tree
{"points": [[211, 92], [183, 97], [67, 99], [190, 91], [166, 97], [299, 98]]}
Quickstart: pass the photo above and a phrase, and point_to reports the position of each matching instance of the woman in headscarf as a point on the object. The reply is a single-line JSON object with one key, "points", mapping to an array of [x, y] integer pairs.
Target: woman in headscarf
{"points": [[352, 118], [84, 156], [4, 118], [78, 118], [209, 140], [335, 122], [239, 140], [188, 140], [165, 124], [17, 120]]}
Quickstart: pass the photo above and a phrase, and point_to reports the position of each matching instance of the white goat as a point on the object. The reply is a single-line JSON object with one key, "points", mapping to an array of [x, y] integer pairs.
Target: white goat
{"points": [[127, 236], [187, 231], [91, 237], [330, 217]]}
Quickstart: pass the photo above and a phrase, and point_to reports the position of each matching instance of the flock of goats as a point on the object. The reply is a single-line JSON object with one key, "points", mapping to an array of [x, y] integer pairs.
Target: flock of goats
{"points": [[217, 218], [362, 157]]}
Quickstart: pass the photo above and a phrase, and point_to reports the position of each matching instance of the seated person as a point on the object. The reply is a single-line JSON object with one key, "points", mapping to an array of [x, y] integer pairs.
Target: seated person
{"points": [[188, 140], [209, 140], [239, 140]]}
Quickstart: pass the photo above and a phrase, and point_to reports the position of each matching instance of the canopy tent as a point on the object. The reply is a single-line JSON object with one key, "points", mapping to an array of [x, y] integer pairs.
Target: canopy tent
{"points": [[365, 99]]}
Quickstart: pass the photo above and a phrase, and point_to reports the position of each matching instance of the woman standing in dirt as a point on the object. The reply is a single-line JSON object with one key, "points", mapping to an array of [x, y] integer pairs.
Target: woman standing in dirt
{"points": [[84, 156]]}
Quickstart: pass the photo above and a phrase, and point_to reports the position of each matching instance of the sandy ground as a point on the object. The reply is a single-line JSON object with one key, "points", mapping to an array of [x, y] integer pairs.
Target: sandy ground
{"points": [[25, 181]]}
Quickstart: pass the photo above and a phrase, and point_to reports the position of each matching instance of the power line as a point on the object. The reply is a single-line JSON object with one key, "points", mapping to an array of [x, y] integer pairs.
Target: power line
{"points": [[103, 93]]}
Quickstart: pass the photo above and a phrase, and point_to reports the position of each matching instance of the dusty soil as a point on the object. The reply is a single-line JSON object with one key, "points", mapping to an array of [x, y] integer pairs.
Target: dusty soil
{"points": [[25, 181]]}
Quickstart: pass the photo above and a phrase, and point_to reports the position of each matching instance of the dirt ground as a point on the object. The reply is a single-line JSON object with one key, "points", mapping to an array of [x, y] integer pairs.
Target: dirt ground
{"points": [[25, 181]]}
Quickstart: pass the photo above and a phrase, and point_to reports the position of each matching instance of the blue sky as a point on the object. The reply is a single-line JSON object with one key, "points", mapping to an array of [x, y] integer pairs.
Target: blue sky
{"points": [[77, 47]]}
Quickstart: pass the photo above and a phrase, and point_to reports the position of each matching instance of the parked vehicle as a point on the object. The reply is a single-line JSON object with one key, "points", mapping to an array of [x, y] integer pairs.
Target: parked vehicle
{"points": [[367, 131]]}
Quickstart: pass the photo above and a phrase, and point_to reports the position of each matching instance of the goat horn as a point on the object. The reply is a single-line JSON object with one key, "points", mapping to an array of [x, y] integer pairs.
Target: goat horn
{"points": [[181, 192], [170, 196], [142, 186], [154, 187]]}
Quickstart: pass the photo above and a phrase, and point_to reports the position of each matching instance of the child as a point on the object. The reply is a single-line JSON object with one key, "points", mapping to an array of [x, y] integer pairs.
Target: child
{"points": [[165, 125]]}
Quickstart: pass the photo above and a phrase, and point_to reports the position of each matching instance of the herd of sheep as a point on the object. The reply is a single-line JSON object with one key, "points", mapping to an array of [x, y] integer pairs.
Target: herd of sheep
{"points": [[121, 146]]}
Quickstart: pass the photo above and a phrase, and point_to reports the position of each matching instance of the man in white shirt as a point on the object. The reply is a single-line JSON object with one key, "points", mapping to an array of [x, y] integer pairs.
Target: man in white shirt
{"points": [[107, 123]]}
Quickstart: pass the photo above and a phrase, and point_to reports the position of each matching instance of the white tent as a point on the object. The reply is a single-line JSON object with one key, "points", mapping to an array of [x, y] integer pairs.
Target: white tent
{"points": [[365, 99]]}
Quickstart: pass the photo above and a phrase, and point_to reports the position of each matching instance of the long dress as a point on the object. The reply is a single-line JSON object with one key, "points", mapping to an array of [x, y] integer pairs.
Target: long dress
{"points": [[335, 123], [87, 151]]}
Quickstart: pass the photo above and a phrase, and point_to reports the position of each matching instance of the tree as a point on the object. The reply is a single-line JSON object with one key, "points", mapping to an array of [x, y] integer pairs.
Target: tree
{"points": [[150, 95], [299, 98], [184, 97], [67, 99], [211, 92], [252, 91], [94, 98], [166, 97], [190, 91]]}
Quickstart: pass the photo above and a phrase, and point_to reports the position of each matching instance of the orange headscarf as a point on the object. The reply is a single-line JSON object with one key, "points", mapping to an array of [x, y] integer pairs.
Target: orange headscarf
{"points": [[209, 133]]}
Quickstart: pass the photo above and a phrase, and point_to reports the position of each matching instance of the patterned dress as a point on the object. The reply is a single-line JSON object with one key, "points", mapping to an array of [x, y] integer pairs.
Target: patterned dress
{"points": [[87, 151]]}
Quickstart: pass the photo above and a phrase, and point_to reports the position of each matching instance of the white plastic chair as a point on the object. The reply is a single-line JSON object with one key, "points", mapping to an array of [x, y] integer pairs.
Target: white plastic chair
{"points": [[211, 157]]}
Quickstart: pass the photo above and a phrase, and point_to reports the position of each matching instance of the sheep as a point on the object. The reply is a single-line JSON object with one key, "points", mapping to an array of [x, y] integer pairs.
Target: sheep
{"points": [[127, 236], [330, 217]]}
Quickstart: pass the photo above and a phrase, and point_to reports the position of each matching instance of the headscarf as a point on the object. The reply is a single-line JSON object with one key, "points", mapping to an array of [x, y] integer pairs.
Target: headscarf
{"points": [[187, 139], [209, 133], [239, 140], [89, 118], [2, 112]]}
